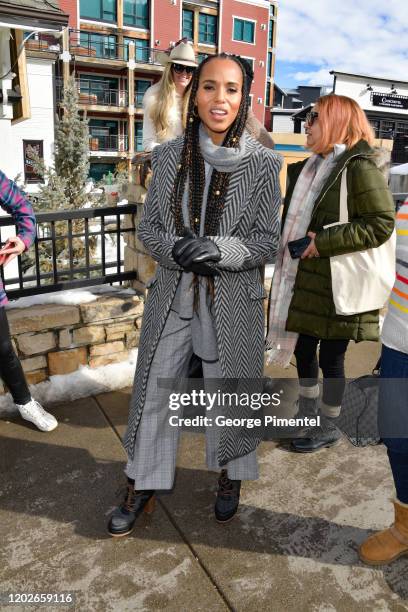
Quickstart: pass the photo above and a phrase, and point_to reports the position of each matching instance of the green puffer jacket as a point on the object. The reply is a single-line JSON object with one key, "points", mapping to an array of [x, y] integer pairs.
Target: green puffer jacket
{"points": [[371, 212]]}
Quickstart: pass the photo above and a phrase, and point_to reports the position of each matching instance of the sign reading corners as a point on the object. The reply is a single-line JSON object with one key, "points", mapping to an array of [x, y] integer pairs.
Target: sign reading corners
{"points": [[390, 101]]}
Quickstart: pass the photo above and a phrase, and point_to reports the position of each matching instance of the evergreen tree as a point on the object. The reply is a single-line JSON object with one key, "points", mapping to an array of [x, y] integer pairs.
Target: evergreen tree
{"points": [[65, 182], [72, 148], [64, 185]]}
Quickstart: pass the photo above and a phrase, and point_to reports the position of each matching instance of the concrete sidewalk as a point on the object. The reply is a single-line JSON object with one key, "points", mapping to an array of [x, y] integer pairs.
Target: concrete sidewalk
{"points": [[292, 546]]}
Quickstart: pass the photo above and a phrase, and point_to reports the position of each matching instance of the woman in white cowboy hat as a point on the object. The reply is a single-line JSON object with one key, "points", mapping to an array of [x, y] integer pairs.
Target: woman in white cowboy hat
{"points": [[162, 102]]}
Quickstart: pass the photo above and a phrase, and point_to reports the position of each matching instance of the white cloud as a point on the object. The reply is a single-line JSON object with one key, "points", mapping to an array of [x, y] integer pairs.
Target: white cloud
{"points": [[361, 36]]}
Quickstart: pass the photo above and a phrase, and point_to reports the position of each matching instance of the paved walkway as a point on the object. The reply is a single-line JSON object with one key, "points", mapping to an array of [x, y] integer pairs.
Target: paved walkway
{"points": [[292, 546]]}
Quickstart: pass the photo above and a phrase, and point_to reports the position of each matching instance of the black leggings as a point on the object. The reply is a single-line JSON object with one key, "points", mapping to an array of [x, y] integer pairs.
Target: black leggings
{"points": [[10, 367], [331, 362]]}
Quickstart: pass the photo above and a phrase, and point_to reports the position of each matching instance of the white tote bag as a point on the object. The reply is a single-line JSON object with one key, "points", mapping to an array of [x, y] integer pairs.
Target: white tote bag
{"points": [[361, 281]]}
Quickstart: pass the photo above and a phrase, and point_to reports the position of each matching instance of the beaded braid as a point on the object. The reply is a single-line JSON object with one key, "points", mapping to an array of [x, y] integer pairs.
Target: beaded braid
{"points": [[192, 166]]}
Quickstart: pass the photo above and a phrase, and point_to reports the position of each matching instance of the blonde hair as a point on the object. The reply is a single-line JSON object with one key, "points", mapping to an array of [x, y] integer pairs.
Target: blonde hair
{"points": [[342, 121], [166, 98], [185, 103]]}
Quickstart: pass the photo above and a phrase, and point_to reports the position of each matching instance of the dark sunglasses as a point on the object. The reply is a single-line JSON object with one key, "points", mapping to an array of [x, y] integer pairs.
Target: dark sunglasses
{"points": [[310, 117], [180, 68]]}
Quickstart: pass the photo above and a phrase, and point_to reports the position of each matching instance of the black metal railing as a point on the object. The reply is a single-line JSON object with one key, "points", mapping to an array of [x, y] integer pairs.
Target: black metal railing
{"points": [[111, 144], [105, 46], [71, 251], [91, 92]]}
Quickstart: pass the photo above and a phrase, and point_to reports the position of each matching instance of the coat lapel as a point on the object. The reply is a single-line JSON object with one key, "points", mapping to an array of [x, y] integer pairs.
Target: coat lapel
{"points": [[237, 199], [168, 173]]}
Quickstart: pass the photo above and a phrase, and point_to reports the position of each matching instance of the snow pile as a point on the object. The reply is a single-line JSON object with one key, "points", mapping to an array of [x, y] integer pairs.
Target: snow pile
{"points": [[69, 297], [84, 382]]}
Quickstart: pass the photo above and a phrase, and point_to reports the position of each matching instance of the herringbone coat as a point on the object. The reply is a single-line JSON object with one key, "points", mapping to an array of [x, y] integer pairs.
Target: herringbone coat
{"points": [[248, 238]]}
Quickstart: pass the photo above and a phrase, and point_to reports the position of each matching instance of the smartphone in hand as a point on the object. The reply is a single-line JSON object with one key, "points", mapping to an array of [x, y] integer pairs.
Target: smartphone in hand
{"points": [[298, 247]]}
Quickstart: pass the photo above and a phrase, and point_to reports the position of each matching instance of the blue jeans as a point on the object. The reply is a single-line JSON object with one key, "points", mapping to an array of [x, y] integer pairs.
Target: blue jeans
{"points": [[393, 415]]}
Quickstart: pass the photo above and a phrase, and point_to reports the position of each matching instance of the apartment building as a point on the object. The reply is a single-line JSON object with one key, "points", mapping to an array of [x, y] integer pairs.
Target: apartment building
{"points": [[112, 47]]}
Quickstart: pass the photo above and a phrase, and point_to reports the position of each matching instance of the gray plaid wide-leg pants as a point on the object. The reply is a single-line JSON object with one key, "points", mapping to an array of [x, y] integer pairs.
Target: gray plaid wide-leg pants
{"points": [[154, 462]]}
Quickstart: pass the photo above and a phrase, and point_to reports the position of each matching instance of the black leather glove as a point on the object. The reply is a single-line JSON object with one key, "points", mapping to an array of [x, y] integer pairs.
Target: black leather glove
{"points": [[197, 251], [206, 268], [177, 251]]}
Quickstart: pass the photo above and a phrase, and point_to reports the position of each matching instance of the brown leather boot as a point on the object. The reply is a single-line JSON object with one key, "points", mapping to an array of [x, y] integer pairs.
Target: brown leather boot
{"points": [[390, 544]]}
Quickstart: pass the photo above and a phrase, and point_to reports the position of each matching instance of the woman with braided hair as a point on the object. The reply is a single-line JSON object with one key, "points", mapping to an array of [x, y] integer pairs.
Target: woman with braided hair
{"points": [[211, 220]]}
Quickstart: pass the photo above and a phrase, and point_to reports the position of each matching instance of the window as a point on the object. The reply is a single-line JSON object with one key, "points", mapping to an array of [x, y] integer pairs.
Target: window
{"points": [[103, 135], [269, 69], [271, 26], [99, 45], [136, 13], [401, 127], [188, 24], [207, 29], [375, 124], [138, 136], [142, 53], [268, 94], [98, 171], [140, 88], [99, 90], [201, 57], [29, 175], [244, 30], [272, 9], [250, 61], [100, 10]]}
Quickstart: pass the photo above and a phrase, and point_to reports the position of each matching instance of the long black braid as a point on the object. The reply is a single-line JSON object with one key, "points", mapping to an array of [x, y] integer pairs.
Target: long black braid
{"points": [[191, 164]]}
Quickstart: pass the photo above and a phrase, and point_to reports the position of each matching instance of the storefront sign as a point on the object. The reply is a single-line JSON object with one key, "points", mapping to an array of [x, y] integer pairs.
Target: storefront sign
{"points": [[390, 101]]}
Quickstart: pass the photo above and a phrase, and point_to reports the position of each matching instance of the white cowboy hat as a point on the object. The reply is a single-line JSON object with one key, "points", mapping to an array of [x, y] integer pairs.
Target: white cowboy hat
{"points": [[183, 54]]}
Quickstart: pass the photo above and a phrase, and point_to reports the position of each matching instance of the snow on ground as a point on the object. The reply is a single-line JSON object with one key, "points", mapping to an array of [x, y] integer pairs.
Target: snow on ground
{"points": [[84, 382], [70, 296], [269, 270]]}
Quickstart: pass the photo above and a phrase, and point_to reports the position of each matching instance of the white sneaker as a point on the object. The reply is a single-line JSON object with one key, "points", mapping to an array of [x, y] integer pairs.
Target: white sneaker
{"points": [[35, 413]]}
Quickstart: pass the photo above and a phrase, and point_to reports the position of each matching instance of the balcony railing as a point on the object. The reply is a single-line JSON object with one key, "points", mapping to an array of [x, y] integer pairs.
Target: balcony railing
{"points": [[43, 42], [75, 248], [91, 93], [113, 143], [90, 44]]}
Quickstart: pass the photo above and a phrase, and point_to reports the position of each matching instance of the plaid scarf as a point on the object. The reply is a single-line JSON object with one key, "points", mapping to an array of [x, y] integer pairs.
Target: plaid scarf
{"points": [[279, 342]]}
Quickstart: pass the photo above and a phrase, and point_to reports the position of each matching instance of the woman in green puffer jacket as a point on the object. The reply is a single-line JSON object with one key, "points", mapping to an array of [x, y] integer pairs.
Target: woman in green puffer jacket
{"points": [[301, 310]]}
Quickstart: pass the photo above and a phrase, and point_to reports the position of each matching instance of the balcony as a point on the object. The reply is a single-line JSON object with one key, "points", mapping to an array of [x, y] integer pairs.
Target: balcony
{"points": [[44, 43], [107, 144], [91, 47], [93, 94]]}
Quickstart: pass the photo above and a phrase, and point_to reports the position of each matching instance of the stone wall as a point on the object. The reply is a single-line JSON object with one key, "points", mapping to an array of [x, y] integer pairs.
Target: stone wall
{"points": [[56, 339], [136, 257]]}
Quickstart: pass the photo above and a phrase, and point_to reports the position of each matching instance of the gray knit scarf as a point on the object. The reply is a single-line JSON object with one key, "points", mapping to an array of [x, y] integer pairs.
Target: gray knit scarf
{"points": [[223, 159]]}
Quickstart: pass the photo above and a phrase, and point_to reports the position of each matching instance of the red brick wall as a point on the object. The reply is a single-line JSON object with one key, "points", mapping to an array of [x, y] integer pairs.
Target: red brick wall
{"points": [[258, 50], [71, 8], [166, 25]]}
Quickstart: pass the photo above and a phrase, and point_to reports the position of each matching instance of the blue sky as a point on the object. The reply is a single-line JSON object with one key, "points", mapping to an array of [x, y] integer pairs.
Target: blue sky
{"points": [[285, 71], [358, 36]]}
